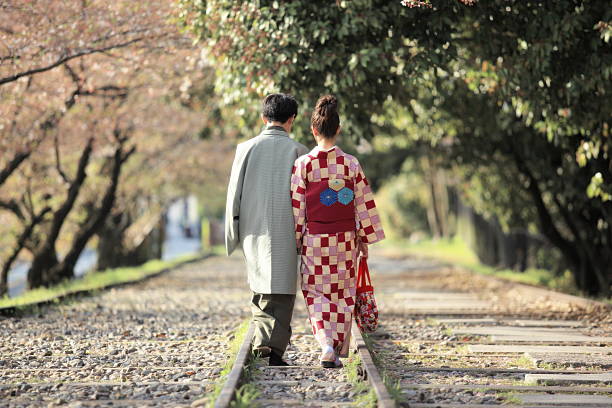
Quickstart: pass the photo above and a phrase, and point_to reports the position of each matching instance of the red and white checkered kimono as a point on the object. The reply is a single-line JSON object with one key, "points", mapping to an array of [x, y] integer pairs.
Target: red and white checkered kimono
{"points": [[332, 206]]}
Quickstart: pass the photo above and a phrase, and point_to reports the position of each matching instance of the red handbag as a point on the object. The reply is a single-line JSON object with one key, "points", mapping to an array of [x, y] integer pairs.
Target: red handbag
{"points": [[366, 312]]}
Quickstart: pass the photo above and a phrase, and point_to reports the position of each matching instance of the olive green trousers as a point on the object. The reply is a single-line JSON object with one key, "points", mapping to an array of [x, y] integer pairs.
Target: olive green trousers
{"points": [[272, 317]]}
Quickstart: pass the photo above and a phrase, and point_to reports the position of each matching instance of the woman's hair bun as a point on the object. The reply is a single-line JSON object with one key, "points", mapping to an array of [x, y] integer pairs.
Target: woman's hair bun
{"points": [[325, 118], [326, 105]]}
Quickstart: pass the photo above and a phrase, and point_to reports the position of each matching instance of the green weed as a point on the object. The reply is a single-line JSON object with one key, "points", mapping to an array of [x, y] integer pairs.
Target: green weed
{"points": [[91, 281], [366, 399], [509, 398], [245, 397], [382, 360], [364, 396], [393, 387], [522, 362], [233, 348]]}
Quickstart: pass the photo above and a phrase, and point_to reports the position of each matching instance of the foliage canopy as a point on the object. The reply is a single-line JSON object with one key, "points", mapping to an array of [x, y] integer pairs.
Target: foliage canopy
{"points": [[515, 94]]}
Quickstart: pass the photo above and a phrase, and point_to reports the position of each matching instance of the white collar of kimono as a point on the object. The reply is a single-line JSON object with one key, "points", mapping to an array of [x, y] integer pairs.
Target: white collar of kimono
{"points": [[319, 149]]}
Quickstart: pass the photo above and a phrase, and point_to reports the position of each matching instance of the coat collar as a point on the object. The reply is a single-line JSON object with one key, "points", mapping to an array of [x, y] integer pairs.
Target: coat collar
{"points": [[274, 131]]}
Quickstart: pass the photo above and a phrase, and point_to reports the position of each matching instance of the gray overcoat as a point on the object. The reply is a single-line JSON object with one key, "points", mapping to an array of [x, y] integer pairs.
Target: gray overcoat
{"points": [[259, 216]]}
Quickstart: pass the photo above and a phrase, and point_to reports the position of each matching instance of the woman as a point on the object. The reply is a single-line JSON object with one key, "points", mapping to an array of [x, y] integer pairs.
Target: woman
{"points": [[335, 219]]}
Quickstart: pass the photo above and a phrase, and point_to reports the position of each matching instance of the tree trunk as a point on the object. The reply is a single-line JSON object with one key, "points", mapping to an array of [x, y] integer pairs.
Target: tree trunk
{"points": [[441, 191], [45, 257], [6, 267], [114, 252], [603, 271], [590, 262], [485, 244], [522, 243], [433, 210], [506, 247], [434, 228], [111, 250], [593, 273], [65, 269]]}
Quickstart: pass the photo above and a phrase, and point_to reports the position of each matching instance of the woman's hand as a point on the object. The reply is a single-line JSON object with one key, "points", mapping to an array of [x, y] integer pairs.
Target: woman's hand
{"points": [[363, 249]]}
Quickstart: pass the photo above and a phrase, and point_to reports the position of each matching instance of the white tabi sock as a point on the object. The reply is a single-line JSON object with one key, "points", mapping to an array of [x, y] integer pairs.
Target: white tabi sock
{"points": [[328, 352]]}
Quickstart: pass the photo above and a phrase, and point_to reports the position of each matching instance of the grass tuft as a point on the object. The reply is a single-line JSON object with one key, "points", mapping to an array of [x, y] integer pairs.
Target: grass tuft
{"points": [[382, 360], [364, 395], [247, 393], [366, 399], [509, 398], [522, 362], [246, 396], [233, 348], [92, 281], [393, 387]]}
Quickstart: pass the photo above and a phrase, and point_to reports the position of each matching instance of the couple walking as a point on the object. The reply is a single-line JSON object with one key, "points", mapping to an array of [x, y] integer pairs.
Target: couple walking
{"points": [[284, 203]]}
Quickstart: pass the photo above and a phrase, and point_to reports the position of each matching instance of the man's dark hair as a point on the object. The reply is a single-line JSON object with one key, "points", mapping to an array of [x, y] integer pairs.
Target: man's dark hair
{"points": [[279, 107]]}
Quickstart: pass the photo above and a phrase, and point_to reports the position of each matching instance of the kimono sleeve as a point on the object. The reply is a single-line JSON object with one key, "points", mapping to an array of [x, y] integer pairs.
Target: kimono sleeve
{"points": [[234, 195], [298, 199], [369, 227]]}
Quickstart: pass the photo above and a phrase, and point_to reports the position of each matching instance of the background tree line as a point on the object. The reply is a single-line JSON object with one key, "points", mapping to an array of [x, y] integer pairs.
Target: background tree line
{"points": [[505, 103], [107, 115]]}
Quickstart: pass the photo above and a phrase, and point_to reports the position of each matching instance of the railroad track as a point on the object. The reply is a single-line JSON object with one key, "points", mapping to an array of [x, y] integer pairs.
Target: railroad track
{"points": [[443, 346], [451, 339], [447, 339], [304, 382]]}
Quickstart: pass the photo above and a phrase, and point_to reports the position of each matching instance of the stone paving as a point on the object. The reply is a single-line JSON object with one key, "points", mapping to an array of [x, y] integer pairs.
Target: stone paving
{"points": [[157, 343]]}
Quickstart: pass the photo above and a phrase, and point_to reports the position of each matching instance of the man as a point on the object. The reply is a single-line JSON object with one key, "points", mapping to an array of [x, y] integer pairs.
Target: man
{"points": [[259, 218]]}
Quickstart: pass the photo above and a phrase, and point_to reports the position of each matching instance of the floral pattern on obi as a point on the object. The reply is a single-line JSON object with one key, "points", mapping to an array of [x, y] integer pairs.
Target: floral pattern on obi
{"points": [[329, 197], [336, 184], [345, 196], [338, 192]]}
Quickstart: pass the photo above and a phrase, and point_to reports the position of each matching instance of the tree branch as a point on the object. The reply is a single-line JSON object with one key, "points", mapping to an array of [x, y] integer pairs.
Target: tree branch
{"points": [[64, 59], [12, 206], [58, 163], [13, 164]]}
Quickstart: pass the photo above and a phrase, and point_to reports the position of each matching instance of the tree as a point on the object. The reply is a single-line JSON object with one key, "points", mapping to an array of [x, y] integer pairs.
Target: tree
{"points": [[88, 85], [354, 49], [521, 83]]}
